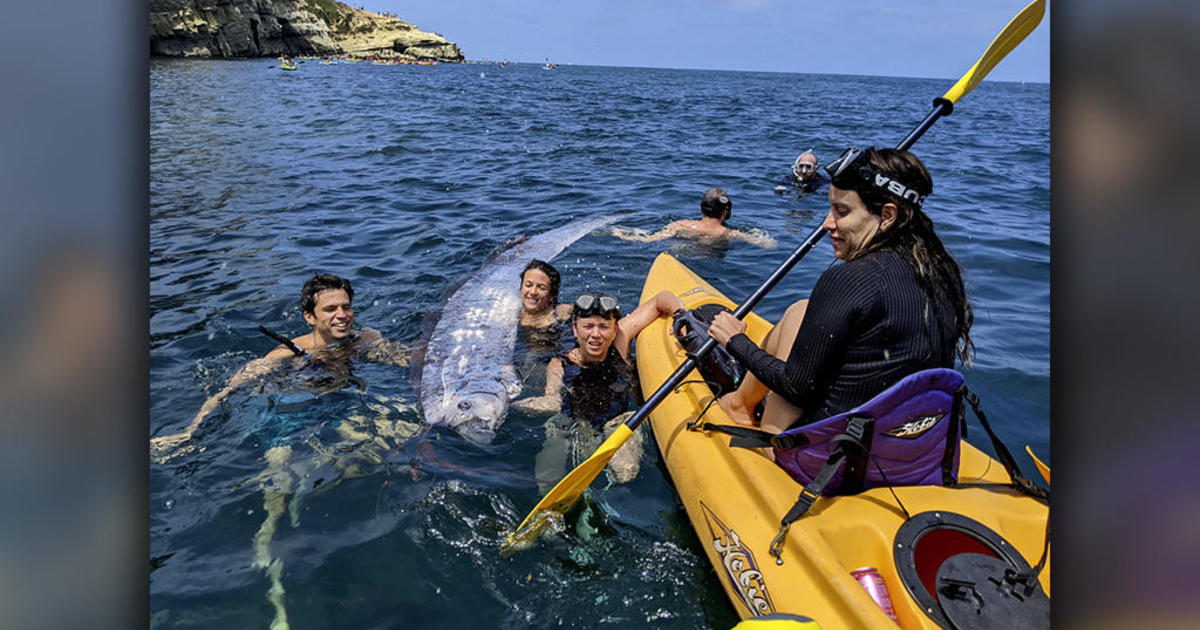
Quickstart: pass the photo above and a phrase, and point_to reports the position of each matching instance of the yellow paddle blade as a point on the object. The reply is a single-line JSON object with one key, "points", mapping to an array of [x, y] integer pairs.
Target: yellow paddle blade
{"points": [[563, 495], [1013, 34], [1042, 468]]}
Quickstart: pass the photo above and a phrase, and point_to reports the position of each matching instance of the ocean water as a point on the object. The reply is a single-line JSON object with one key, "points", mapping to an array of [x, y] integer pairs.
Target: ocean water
{"points": [[405, 179]]}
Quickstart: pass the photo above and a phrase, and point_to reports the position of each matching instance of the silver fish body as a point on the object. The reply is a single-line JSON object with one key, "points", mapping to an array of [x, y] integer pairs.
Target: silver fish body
{"points": [[468, 377]]}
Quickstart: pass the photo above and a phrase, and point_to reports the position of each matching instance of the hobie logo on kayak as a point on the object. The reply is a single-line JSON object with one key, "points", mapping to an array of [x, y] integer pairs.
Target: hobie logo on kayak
{"points": [[739, 565], [914, 429]]}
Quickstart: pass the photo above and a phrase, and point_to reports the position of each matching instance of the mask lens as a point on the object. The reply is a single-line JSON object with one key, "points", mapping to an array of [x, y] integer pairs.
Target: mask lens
{"points": [[842, 165], [592, 304]]}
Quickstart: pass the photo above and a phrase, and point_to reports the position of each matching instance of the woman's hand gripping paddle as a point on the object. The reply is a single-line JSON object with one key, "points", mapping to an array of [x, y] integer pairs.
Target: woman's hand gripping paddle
{"points": [[562, 496]]}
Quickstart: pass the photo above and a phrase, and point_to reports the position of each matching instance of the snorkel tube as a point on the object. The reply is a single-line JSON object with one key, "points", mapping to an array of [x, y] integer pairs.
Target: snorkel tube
{"points": [[283, 340]]}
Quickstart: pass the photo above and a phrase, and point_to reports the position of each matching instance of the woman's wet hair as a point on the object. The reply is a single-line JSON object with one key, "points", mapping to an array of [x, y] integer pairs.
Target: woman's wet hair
{"points": [[322, 282], [913, 237], [550, 272]]}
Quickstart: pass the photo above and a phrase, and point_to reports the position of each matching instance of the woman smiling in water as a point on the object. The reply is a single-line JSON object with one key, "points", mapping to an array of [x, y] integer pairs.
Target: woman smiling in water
{"points": [[539, 296], [543, 321]]}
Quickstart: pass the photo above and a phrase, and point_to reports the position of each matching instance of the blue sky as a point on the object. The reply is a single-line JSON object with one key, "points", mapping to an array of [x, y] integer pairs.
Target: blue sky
{"points": [[912, 38]]}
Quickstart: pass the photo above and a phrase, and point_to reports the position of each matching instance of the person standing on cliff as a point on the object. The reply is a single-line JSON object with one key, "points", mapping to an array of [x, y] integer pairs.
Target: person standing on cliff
{"points": [[715, 209]]}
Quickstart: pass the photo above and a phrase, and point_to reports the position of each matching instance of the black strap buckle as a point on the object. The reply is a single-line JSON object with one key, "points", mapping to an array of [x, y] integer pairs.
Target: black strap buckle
{"points": [[856, 427]]}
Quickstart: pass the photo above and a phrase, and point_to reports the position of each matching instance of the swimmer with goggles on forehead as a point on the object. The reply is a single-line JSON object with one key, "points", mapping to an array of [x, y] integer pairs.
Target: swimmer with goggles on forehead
{"points": [[601, 334]]}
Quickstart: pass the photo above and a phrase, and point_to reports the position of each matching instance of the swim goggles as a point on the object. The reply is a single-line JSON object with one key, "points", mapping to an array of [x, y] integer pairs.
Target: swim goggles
{"points": [[591, 304], [853, 171]]}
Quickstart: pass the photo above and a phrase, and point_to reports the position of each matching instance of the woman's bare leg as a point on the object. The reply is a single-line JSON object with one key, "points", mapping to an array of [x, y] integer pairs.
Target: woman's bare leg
{"points": [[740, 403]]}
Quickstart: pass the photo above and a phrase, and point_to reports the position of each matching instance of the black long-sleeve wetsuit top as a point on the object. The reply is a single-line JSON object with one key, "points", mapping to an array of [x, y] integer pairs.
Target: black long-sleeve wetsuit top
{"points": [[868, 324]]}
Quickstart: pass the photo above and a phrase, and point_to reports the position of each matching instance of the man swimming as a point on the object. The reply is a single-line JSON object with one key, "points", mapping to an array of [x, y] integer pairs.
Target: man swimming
{"points": [[326, 304], [715, 210]]}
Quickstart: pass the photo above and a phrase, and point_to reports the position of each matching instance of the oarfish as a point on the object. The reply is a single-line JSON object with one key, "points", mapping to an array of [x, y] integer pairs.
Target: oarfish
{"points": [[468, 377]]}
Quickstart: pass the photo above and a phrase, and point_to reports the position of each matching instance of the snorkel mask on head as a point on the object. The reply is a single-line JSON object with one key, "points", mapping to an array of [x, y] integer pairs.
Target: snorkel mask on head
{"points": [[853, 171], [592, 304]]}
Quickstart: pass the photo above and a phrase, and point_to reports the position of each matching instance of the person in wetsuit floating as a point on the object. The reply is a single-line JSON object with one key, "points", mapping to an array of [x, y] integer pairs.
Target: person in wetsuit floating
{"points": [[804, 178], [896, 304]]}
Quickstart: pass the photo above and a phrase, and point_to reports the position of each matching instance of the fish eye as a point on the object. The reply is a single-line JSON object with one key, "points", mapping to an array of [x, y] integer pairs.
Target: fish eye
{"points": [[464, 404]]}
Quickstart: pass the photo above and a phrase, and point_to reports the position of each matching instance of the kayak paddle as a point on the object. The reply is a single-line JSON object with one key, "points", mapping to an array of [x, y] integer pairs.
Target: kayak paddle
{"points": [[562, 496], [1041, 466]]}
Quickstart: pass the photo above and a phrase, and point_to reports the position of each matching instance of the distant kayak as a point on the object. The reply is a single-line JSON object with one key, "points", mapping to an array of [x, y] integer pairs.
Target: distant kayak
{"points": [[287, 66]]}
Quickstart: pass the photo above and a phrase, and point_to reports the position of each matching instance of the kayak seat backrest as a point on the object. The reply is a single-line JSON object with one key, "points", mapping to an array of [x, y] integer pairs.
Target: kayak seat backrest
{"points": [[914, 436]]}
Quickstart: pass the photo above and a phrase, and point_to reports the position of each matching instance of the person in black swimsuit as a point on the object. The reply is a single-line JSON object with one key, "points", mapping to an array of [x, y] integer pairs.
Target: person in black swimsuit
{"points": [[895, 306], [591, 388]]}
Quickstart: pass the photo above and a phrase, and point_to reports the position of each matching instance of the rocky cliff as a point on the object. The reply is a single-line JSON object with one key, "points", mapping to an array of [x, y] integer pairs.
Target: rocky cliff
{"points": [[266, 28]]}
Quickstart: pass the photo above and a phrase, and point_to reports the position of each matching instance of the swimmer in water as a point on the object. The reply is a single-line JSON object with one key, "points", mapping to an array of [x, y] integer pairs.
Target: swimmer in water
{"points": [[332, 342], [592, 388], [539, 296], [325, 301], [715, 210], [805, 178]]}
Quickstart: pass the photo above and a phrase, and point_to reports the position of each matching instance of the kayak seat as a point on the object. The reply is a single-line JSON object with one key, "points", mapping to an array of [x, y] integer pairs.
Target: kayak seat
{"points": [[908, 435], [905, 436]]}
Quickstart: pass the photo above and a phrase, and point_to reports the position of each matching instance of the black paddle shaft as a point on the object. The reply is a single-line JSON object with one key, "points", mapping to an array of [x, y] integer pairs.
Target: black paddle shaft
{"points": [[941, 107]]}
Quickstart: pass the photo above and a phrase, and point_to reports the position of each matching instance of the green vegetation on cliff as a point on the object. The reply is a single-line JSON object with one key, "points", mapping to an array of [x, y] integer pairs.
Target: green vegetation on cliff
{"points": [[327, 10]]}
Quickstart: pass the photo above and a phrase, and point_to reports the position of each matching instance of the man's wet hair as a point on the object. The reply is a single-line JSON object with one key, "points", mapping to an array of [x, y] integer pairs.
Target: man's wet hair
{"points": [[715, 203], [322, 282]]}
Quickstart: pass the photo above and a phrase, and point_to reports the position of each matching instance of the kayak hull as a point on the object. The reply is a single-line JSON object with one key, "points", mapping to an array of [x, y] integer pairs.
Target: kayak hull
{"points": [[735, 498]]}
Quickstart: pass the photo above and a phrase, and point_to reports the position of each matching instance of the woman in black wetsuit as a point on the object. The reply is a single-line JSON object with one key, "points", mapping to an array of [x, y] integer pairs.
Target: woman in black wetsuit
{"points": [[895, 306], [591, 388]]}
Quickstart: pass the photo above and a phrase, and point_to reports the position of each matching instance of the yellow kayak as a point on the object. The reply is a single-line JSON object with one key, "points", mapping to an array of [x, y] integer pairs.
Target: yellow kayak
{"points": [[735, 499]]}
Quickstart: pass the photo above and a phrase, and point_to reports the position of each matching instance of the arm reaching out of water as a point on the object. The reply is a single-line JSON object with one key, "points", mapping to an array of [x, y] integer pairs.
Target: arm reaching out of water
{"points": [[697, 230], [662, 304], [641, 236], [755, 236], [550, 402], [160, 445]]}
